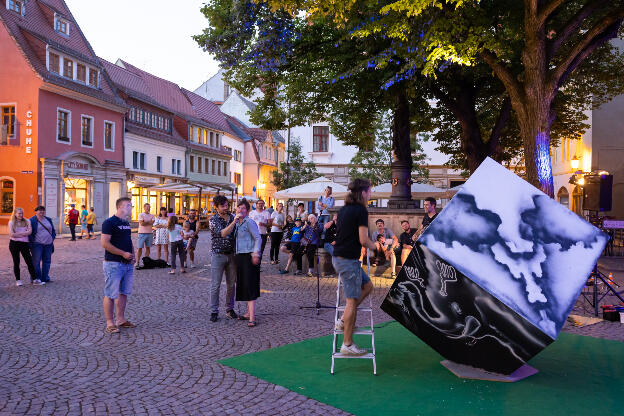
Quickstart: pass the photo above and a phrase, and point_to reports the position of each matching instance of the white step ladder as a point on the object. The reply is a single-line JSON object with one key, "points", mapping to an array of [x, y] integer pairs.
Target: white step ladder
{"points": [[356, 331]]}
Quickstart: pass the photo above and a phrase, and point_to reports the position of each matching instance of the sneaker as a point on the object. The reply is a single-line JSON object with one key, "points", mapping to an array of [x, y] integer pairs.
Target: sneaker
{"points": [[213, 317], [192, 265], [231, 314], [272, 262], [38, 282], [19, 283], [339, 325], [352, 350], [310, 274], [298, 273], [283, 272]]}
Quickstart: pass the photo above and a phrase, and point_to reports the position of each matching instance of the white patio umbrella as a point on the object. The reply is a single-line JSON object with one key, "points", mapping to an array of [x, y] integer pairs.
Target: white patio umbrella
{"points": [[312, 190], [450, 193], [419, 191]]}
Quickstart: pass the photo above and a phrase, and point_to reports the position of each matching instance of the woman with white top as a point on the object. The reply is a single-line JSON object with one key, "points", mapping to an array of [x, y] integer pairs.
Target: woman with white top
{"points": [[19, 230], [162, 234], [177, 244]]}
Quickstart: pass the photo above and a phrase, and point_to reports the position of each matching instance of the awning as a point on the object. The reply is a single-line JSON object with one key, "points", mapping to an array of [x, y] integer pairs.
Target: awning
{"points": [[419, 191], [191, 188], [312, 190]]}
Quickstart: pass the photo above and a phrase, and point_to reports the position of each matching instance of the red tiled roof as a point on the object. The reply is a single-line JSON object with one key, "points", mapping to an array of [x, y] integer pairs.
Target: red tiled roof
{"points": [[208, 111], [258, 133], [174, 138], [36, 29]]}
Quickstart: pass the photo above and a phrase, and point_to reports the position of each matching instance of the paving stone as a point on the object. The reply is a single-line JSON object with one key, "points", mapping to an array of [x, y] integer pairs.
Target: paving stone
{"points": [[56, 359]]}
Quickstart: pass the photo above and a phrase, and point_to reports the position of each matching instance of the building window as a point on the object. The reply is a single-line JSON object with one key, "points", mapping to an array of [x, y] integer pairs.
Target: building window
{"points": [[173, 166], [213, 168], [81, 73], [219, 168], [109, 135], [62, 26], [8, 122], [205, 136], [142, 160], [199, 132], [161, 122], [146, 115], [217, 144], [211, 139], [179, 165], [225, 172], [135, 160], [320, 139], [86, 131], [199, 164], [68, 68], [237, 179], [55, 63], [158, 164], [140, 115], [132, 114], [93, 77], [237, 155], [207, 165], [192, 163], [154, 120], [167, 125], [275, 155], [63, 126], [7, 196], [17, 6]]}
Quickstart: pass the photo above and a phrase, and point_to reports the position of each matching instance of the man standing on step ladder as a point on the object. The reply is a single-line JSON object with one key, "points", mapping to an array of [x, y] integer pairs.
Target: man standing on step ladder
{"points": [[352, 236]]}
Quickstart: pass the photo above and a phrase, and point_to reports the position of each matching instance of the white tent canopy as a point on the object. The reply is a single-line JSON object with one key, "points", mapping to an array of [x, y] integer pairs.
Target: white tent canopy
{"points": [[419, 191], [312, 190]]}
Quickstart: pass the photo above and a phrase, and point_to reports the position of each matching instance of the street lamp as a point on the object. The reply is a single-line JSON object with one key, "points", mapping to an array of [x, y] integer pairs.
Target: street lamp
{"points": [[575, 163]]}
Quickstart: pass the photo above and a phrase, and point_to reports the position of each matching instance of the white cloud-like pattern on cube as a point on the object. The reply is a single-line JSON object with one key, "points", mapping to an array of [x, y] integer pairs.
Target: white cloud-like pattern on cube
{"points": [[518, 244]]}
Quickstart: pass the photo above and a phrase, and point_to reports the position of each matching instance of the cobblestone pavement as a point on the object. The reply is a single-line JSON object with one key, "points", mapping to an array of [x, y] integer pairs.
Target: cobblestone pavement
{"points": [[56, 359]]}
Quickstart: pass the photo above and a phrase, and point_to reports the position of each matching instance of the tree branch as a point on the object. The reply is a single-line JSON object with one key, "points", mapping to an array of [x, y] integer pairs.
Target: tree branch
{"points": [[595, 32], [604, 37], [445, 99], [501, 122], [512, 85], [573, 24], [548, 8]]}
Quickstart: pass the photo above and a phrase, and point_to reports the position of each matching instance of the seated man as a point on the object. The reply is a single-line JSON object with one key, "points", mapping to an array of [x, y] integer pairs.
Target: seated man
{"points": [[382, 253], [391, 240], [406, 240]]}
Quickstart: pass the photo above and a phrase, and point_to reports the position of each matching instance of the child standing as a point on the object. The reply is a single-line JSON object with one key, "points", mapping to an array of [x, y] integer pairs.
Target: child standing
{"points": [[187, 233], [91, 220], [293, 248], [177, 244]]}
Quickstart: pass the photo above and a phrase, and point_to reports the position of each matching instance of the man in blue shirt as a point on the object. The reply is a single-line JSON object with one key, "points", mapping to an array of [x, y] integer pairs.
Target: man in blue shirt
{"points": [[293, 247], [118, 265]]}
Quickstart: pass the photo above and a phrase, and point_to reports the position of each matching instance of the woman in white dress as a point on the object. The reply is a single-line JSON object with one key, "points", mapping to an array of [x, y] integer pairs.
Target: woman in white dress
{"points": [[161, 239]]}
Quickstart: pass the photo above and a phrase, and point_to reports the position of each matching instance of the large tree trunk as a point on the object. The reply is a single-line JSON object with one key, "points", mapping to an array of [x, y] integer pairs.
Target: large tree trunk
{"points": [[401, 196]]}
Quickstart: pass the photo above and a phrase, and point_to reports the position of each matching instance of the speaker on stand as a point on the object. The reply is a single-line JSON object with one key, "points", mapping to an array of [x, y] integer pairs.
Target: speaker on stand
{"points": [[597, 192]]}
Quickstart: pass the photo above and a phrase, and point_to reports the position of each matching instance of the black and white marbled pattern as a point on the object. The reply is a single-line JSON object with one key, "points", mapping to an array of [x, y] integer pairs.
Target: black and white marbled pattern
{"points": [[517, 244], [459, 319]]}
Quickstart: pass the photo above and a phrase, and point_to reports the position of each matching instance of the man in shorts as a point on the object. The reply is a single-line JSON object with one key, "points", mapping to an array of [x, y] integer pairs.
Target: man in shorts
{"points": [[91, 220], [146, 237], [118, 266], [192, 244]]}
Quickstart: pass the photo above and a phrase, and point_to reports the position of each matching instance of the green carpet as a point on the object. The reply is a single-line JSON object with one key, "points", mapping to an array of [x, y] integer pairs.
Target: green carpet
{"points": [[578, 376]]}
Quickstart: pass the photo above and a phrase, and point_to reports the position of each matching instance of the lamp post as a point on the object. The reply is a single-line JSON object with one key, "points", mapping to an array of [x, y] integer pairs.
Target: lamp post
{"points": [[574, 163]]}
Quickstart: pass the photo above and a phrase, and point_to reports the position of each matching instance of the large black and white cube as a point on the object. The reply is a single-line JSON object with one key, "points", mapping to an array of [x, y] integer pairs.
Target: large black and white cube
{"points": [[492, 280]]}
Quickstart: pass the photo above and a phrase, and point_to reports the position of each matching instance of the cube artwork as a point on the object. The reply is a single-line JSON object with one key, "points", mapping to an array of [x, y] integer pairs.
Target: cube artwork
{"points": [[492, 280]]}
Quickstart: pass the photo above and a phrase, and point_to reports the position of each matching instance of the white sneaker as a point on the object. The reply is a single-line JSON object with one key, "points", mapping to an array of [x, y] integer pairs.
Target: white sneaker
{"points": [[339, 325], [192, 265], [38, 282], [352, 350], [19, 283]]}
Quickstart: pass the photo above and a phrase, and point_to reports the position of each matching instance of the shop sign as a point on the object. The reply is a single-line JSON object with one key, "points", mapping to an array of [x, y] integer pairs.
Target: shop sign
{"points": [[145, 179], [77, 165], [29, 129]]}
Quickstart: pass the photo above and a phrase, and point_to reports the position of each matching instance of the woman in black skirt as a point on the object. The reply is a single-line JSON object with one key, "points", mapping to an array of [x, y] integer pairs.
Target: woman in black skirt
{"points": [[248, 244]]}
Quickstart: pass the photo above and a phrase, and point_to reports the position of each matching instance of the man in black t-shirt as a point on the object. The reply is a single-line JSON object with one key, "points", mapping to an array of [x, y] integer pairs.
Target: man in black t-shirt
{"points": [[352, 235], [430, 214], [406, 240], [118, 265]]}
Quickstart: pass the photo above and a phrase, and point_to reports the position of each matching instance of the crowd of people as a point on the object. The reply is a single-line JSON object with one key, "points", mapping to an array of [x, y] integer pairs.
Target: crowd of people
{"points": [[238, 240]]}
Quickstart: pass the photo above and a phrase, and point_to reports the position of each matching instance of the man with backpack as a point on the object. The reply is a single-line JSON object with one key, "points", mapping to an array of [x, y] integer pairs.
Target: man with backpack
{"points": [[72, 220]]}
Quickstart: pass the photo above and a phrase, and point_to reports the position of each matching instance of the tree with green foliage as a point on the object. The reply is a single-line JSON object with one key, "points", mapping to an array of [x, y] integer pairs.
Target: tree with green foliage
{"points": [[533, 47]]}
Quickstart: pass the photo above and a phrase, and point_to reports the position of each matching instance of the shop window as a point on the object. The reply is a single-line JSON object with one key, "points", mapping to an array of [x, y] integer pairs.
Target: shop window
{"points": [[76, 191], [63, 126], [54, 63], [93, 77], [320, 139], [7, 127], [86, 130], [7, 196], [81, 73], [158, 164], [109, 135], [68, 68]]}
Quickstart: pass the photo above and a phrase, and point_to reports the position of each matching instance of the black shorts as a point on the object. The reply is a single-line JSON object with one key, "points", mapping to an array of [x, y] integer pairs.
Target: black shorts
{"points": [[290, 246], [90, 228]]}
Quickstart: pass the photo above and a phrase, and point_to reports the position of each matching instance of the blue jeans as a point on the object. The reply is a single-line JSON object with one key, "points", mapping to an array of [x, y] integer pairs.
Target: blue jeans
{"points": [[222, 263], [42, 258], [329, 248]]}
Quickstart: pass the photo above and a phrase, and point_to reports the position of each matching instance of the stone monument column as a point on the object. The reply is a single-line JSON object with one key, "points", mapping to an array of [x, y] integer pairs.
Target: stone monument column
{"points": [[401, 197]]}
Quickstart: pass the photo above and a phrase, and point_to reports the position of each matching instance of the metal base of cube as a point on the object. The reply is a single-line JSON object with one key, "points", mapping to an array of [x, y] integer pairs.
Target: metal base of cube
{"points": [[466, 371]]}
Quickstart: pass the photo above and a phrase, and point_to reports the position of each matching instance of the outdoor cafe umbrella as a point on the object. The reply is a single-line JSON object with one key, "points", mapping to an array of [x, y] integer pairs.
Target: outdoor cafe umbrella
{"points": [[419, 191], [312, 190]]}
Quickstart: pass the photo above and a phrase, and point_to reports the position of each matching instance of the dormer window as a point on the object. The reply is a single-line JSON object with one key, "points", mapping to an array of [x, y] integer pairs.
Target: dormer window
{"points": [[68, 68], [17, 6], [61, 25], [81, 73], [55, 63], [93, 77]]}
